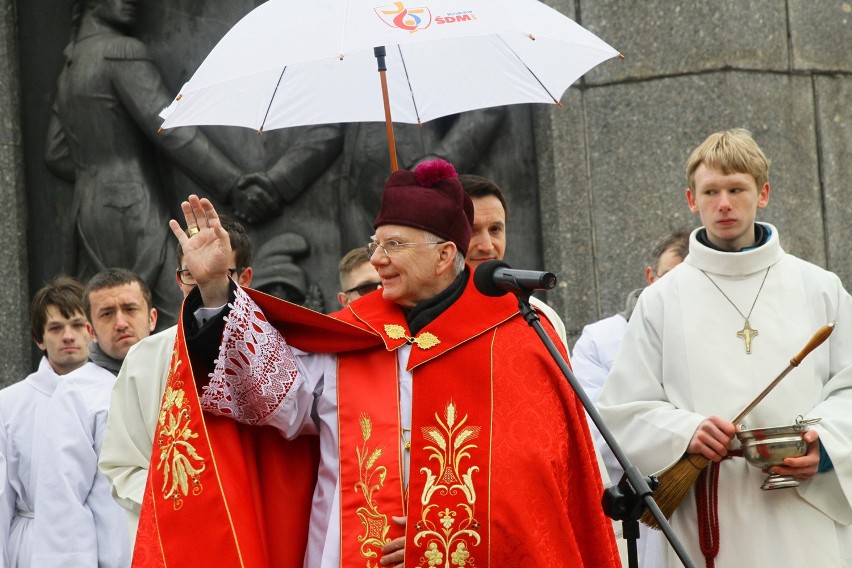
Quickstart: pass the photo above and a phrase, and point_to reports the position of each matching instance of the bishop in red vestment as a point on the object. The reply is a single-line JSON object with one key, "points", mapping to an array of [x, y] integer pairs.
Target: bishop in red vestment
{"points": [[447, 436]]}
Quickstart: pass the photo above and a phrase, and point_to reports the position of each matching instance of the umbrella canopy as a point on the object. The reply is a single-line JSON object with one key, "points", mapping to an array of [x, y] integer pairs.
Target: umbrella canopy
{"points": [[301, 62]]}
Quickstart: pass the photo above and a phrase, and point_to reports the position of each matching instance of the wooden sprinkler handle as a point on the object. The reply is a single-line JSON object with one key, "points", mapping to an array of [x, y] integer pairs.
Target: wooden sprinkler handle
{"points": [[818, 338]]}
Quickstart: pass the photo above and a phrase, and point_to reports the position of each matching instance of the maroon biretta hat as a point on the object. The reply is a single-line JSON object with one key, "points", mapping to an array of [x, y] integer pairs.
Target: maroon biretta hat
{"points": [[429, 198]]}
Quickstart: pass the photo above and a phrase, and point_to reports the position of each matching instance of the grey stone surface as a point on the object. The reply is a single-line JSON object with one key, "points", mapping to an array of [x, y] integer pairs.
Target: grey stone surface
{"points": [[638, 136], [14, 294], [834, 125], [821, 35], [660, 37], [566, 208]]}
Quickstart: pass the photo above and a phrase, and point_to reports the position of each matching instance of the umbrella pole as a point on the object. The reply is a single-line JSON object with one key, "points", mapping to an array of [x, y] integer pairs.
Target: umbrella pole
{"points": [[380, 59]]}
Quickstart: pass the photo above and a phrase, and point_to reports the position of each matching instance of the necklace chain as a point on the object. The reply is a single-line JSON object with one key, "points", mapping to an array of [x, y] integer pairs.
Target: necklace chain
{"points": [[747, 333], [759, 290]]}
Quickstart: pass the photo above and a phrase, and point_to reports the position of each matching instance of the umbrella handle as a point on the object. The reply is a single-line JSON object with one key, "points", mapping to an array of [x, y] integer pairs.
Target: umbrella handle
{"points": [[380, 54]]}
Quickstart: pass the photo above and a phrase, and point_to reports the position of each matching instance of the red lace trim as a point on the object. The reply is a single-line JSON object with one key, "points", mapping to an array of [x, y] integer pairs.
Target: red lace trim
{"points": [[255, 369]]}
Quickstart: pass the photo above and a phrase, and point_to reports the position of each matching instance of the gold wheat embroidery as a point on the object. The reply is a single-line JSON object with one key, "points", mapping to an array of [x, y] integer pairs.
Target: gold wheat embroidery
{"points": [[425, 340], [371, 479], [448, 533], [181, 463]]}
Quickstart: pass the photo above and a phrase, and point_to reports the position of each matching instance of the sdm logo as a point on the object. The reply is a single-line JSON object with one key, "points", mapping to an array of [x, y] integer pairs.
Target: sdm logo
{"points": [[409, 19]]}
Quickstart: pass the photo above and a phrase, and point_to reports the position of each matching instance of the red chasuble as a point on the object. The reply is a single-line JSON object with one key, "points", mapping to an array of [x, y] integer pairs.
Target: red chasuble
{"points": [[502, 468]]}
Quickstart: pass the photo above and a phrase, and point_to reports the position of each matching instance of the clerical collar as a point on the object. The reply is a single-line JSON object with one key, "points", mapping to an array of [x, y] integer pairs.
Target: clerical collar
{"points": [[423, 313], [762, 233]]}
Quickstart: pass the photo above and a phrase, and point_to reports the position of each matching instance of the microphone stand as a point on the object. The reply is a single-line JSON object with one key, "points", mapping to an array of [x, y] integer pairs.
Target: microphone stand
{"points": [[625, 501]]}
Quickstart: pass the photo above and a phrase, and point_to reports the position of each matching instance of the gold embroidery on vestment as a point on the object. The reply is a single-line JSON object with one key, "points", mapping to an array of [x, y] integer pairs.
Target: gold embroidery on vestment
{"points": [[423, 341], [181, 463], [448, 533], [371, 479]]}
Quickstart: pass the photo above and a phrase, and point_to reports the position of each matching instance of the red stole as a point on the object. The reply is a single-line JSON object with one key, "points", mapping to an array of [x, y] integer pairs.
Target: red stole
{"points": [[220, 493], [449, 481]]}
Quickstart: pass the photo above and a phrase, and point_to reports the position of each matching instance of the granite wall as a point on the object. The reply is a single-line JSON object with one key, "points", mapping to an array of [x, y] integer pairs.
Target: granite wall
{"points": [[14, 294]]}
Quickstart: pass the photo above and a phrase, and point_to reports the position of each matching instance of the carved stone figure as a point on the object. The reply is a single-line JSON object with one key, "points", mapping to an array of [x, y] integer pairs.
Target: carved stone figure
{"points": [[101, 135]]}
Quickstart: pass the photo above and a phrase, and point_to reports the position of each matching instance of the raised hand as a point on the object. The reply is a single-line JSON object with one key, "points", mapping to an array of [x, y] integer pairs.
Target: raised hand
{"points": [[206, 249]]}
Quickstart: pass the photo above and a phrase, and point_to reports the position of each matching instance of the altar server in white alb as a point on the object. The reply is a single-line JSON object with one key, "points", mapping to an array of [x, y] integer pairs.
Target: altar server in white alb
{"points": [[59, 328], [705, 340], [83, 525]]}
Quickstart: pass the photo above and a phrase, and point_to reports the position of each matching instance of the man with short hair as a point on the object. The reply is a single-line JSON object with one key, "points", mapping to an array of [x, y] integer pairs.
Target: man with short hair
{"points": [[357, 276], [59, 328], [425, 398], [120, 308], [134, 410], [488, 239], [705, 340], [83, 526]]}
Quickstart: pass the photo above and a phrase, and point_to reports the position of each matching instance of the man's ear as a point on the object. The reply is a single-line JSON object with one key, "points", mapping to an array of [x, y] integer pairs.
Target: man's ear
{"points": [[690, 199], [446, 256], [763, 196], [342, 299], [245, 277], [152, 319]]}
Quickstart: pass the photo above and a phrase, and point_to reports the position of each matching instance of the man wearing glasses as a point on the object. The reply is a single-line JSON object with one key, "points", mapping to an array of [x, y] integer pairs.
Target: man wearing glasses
{"points": [[357, 276], [446, 433], [135, 404]]}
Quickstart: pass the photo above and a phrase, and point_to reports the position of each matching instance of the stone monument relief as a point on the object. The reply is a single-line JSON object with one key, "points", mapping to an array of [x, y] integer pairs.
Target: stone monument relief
{"points": [[307, 195]]}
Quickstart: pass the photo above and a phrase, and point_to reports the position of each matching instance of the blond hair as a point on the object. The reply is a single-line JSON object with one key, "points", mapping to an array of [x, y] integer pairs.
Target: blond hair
{"points": [[731, 151]]}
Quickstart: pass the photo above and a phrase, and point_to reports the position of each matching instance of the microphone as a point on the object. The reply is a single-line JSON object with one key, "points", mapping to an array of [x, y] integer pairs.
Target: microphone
{"points": [[495, 278]]}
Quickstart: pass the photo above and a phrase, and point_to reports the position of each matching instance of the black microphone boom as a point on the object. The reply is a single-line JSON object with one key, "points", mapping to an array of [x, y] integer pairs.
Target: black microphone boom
{"points": [[495, 278]]}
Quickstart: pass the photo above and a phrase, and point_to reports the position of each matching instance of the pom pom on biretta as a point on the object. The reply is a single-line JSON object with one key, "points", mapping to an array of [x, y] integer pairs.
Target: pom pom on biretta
{"points": [[431, 172], [429, 198]]}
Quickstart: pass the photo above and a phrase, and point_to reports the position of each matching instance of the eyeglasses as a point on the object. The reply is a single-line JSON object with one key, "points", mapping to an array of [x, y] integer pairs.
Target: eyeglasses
{"points": [[187, 279], [393, 247], [364, 288]]}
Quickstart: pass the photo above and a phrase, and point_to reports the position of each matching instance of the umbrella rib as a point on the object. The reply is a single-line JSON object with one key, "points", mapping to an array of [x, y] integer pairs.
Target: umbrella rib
{"points": [[271, 99], [545, 89], [408, 80]]}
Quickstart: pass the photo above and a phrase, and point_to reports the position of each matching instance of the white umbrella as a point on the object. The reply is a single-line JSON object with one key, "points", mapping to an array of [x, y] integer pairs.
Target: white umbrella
{"points": [[299, 62]]}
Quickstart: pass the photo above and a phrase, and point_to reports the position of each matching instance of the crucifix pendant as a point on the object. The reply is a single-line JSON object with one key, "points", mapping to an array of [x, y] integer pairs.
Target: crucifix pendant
{"points": [[747, 334]]}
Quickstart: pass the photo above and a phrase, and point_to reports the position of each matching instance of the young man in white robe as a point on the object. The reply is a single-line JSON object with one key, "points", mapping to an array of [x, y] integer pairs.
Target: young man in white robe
{"points": [[82, 525], [134, 409], [59, 328], [705, 340]]}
